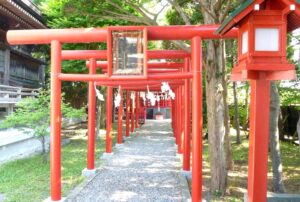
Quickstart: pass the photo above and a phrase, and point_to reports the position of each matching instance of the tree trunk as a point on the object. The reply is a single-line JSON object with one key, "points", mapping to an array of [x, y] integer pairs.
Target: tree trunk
{"points": [[215, 122], [280, 126], [277, 182], [298, 130], [236, 114], [247, 108], [98, 120], [228, 149], [213, 63], [44, 151]]}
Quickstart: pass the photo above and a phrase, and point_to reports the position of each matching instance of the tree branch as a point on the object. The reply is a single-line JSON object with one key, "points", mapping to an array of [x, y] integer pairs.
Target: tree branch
{"points": [[140, 11], [118, 7], [144, 19], [204, 7], [159, 12], [180, 11], [225, 12]]}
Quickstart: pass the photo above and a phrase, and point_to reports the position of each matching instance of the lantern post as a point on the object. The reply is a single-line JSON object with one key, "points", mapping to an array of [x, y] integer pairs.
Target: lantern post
{"points": [[258, 140], [262, 35]]}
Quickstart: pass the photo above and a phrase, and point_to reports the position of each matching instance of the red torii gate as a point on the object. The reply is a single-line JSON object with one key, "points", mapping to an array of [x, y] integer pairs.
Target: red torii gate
{"points": [[183, 73], [56, 37]]}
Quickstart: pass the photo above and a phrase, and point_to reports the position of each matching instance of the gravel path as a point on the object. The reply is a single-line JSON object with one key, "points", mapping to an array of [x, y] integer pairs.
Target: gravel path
{"points": [[144, 168]]}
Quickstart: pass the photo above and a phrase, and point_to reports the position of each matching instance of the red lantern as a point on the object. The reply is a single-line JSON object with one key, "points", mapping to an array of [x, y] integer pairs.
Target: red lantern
{"points": [[263, 28]]}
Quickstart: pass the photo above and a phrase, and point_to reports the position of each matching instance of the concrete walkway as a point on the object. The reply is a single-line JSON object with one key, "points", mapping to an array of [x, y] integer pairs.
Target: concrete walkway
{"points": [[144, 168]]}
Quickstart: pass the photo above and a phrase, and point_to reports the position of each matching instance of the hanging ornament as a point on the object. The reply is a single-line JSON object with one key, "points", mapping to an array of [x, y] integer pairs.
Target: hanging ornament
{"points": [[172, 94], [157, 98], [151, 97], [118, 98], [98, 93], [165, 87], [132, 95], [143, 96]]}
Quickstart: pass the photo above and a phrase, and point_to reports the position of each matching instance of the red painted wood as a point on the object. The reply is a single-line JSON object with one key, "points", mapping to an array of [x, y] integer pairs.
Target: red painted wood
{"points": [[258, 142], [120, 118], [180, 135], [187, 120], [127, 112], [84, 55], [109, 100], [91, 118], [55, 121], [196, 119], [132, 115], [45, 36], [100, 77], [137, 103]]}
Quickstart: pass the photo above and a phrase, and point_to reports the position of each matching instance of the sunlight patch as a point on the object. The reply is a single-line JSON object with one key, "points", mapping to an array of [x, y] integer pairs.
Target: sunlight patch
{"points": [[123, 195]]}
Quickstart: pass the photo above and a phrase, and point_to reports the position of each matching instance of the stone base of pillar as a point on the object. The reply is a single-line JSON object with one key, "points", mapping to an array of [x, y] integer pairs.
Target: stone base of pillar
{"points": [[106, 155], [50, 200], [118, 145], [88, 173]]}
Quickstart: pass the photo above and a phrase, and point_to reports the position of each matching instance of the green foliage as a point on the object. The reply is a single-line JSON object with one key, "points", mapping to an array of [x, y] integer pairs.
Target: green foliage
{"points": [[34, 113], [77, 14], [290, 96]]}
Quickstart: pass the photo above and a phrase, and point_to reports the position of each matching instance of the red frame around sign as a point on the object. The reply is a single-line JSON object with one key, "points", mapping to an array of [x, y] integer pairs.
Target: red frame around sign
{"points": [[110, 54]]}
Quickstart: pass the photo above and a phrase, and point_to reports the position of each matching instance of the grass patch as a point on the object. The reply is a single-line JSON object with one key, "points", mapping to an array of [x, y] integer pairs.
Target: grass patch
{"points": [[29, 179], [237, 177]]}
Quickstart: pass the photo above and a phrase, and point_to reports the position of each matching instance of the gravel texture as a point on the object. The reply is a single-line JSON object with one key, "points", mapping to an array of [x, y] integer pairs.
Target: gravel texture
{"points": [[144, 168]]}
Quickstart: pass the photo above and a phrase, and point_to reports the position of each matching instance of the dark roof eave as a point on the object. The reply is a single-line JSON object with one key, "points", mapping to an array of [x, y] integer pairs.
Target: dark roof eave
{"points": [[226, 25], [33, 12]]}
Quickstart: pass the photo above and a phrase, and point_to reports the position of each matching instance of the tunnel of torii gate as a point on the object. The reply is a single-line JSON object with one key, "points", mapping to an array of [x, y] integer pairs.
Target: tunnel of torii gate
{"points": [[184, 78]]}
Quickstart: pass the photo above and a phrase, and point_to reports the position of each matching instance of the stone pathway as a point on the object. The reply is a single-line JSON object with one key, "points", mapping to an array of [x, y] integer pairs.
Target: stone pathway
{"points": [[144, 168]]}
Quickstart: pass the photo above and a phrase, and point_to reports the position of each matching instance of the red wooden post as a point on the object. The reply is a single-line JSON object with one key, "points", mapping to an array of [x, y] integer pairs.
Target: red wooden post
{"points": [[109, 101], [172, 115], [176, 116], [180, 134], [187, 120], [132, 114], [55, 122], [120, 118], [182, 119], [197, 119], [91, 118], [127, 112], [258, 142], [137, 115]]}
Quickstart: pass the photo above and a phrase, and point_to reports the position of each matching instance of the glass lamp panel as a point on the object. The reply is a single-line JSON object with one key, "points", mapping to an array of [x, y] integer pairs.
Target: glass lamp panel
{"points": [[128, 54], [267, 39], [245, 42]]}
